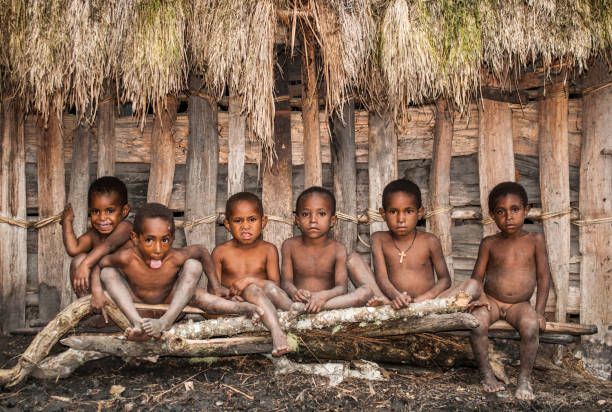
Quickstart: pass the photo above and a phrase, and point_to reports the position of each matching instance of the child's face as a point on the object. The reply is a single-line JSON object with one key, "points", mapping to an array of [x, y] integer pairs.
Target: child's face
{"points": [[509, 213], [245, 223], [106, 211], [314, 217], [154, 241], [402, 213]]}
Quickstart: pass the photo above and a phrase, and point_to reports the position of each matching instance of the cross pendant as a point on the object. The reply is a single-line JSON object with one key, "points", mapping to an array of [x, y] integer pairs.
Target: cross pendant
{"points": [[402, 254]]}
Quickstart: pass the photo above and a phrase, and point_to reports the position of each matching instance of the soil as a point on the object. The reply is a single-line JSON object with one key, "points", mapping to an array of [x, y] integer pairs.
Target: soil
{"points": [[249, 382]]}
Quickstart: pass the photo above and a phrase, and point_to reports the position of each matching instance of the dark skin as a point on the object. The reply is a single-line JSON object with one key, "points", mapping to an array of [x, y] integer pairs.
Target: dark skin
{"points": [[510, 264], [404, 258], [248, 265], [314, 265], [109, 232], [153, 272]]}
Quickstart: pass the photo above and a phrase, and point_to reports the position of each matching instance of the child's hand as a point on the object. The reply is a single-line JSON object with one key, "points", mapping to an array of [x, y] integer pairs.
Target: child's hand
{"points": [[220, 291], [481, 301], [302, 295], [401, 301], [541, 322], [315, 303], [237, 298], [67, 215], [239, 285], [99, 301], [81, 279]]}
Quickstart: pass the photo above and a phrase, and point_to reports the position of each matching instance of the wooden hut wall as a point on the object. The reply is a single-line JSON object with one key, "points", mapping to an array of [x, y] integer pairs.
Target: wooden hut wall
{"points": [[414, 152]]}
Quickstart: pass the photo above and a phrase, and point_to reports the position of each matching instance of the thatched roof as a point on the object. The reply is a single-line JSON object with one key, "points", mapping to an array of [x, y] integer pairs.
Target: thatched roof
{"points": [[388, 53]]}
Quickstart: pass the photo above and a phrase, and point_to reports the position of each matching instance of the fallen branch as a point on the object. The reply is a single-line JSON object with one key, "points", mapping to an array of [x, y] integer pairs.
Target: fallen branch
{"points": [[62, 365], [553, 327]]}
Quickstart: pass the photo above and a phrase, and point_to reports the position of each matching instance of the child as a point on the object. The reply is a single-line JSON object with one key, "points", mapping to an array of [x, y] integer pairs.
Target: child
{"points": [[108, 206], [248, 265], [513, 261], [314, 265], [153, 272]]}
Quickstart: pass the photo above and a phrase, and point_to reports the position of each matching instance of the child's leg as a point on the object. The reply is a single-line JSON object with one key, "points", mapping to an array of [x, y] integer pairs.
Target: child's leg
{"points": [[119, 290], [74, 264], [254, 294], [524, 318], [357, 298], [361, 275], [182, 293], [479, 339], [281, 300], [217, 305], [470, 286]]}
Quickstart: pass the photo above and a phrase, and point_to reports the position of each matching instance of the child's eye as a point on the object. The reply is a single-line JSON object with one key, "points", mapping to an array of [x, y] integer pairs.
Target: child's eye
{"points": [[305, 214], [499, 212], [515, 209], [322, 214], [165, 240], [94, 211], [409, 211], [149, 240], [393, 211], [110, 211]]}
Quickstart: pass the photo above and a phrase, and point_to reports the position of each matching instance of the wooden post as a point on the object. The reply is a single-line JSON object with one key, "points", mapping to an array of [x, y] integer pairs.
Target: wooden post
{"points": [[278, 180], [554, 189], [236, 145], [342, 145], [313, 167], [596, 202], [162, 152], [382, 160], [439, 181], [495, 152], [13, 239], [51, 199], [106, 133], [77, 197], [201, 168]]}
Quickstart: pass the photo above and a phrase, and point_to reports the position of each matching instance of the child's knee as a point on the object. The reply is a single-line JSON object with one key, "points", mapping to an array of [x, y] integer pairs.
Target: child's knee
{"points": [[270, 288], [192, 266], [528, 328], [482, 315], [353, 259], [365, 294], [108, 275], [252, 292]]}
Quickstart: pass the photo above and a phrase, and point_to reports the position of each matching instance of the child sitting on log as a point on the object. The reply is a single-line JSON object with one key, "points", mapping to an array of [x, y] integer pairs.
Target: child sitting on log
{"points": [[108, 206], [152, 271], [314, 264], [510, 264], [248, 265]]}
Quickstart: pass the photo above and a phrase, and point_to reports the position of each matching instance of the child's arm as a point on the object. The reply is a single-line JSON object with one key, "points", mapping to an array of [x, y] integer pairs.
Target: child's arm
{"points": [[200, 253], [398, 299], [297, 295], [479, 271], [542, 279], [120, 235], [318, 299], [439, 264], [73, 245], [98, 299]]}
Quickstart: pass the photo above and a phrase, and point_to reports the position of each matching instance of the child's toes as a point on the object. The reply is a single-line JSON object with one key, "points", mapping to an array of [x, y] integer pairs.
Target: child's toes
{"points": [[280, 351], [377, 301]]}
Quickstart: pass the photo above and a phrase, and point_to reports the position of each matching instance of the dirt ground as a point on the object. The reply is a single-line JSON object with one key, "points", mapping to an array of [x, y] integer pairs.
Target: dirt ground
{"points": [[249, 382]]}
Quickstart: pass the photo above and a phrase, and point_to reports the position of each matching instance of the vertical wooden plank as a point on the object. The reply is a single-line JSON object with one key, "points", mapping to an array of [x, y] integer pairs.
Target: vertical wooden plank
{"points": [[596, 202], [277, 180], [439, 181], [77, 197], [106, 134], [51, 199], [554, 189], [495, 152], [162, 152], [13, 239], [313, 168], [236, 145], [344, 169], [201, 168], [382, 160]]}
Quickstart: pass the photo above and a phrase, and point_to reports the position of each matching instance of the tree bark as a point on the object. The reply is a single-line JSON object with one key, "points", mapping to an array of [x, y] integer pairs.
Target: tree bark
{"points": [[162, 152], [313, 167], [62, 365]]}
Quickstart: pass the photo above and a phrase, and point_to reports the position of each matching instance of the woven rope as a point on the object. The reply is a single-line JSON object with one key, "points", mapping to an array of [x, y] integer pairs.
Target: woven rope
{"points": [[195, 222], [36, 225], [486, 221], [587, 222], [550, 215], [438, 211], [280, 219], [374, 216], [348, 218]]}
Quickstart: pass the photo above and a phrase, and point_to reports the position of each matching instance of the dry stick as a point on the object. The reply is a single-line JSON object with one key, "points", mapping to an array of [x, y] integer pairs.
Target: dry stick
{"points": [[238, 391]]}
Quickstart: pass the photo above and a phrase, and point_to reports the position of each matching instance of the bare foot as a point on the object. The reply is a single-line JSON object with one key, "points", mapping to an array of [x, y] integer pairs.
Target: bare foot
{"points": [[491, 384], [154, 327], [378, 301], [252, 311], [136, 334], [297, 308], [524, 391], [281, 346]]}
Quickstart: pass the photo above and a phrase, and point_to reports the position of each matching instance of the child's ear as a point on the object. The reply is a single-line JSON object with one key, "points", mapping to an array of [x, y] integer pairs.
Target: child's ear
{"points": [[333, 221], [527, 209], [264, 221], [134, 236], [226, 224], [382, 212], [125, 210], [420, 212]]}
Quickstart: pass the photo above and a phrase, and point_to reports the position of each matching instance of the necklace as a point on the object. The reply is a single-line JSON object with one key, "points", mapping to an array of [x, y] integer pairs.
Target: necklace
{"points": [[402, 253]]}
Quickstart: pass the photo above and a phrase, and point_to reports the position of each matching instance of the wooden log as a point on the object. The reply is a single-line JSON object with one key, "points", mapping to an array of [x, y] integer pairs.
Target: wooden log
{"points": [[382, 160], [555, 190], [162, 152], [62, 365], [107, 139], [52, 197], [573, 329], [313, 167], [201, 169], [544, 337], [344, 169], [77, 197], [13, 239], [236, 143], [596, 202], [495, 152], [439, 181], [277, 180]]}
